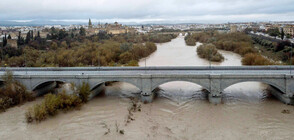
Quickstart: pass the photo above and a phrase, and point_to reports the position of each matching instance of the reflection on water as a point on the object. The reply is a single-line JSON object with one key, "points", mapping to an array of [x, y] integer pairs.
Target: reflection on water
{"points": [[180, 112], [181, 92]]}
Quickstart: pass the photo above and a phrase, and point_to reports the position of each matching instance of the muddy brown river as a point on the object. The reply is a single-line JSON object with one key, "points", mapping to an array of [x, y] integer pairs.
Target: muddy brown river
{"points": [[180, 112]]}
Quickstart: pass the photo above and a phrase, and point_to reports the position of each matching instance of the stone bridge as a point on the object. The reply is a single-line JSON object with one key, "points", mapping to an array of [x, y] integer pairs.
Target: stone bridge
{"points": [[214, 79]]}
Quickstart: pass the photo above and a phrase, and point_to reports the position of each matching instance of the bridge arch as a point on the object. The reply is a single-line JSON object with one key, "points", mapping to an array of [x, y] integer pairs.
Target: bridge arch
{"points": [[93, 85], [280, 85], [194, 81], [44, 82]]}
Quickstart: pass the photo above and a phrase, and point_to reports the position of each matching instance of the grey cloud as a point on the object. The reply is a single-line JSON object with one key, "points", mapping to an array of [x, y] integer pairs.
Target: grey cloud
{"points": [[147, 9]]}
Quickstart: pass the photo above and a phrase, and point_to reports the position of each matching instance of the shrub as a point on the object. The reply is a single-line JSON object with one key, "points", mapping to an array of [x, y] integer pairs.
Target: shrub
{"points": [[40, 112], [68, 102], [4, 104], [237, 42], [51, 105], [190, 41], [29, 115], [8, 77], [209, 52], [84, 92], [125, 57], [255, 59], [132, 63], [13, 93]]}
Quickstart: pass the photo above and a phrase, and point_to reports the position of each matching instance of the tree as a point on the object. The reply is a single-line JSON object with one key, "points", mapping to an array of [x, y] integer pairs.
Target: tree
{"points": [[4, 40], [28, 38], [9, 37], [125, 57], [19, 35], [90, 23], [82, 31], [124, 47], [282, 34], [103, 35], [53, 33], [38, 34], [20, 40], [274, 32], [54, 45], [53, 30], [62, 34], [32, 35], [72, 35], [63, 44]]}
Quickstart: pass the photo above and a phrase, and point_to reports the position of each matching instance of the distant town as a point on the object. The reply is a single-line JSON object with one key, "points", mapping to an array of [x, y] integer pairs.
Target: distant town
{"points": [[10, 34]]}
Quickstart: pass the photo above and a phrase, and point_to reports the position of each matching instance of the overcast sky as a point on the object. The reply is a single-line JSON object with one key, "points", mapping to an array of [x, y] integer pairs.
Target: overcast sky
{"points": [[142, 11]]}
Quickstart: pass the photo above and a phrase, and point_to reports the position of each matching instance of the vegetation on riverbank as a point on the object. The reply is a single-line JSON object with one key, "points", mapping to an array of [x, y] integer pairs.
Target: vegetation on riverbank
{"points": [[63, 49], [255, 59], [13, 93], [209, 52], [53, 103], [190, 41], [160, 38], [238, 42], [275, 49]]}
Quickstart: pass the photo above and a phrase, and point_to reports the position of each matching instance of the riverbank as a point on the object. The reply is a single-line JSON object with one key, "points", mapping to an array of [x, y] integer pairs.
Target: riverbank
{"points": [[101, 49], [238, 42]]}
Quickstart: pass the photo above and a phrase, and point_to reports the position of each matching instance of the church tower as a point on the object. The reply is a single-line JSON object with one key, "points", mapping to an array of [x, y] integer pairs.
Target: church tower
{"points": [[90, 23]]}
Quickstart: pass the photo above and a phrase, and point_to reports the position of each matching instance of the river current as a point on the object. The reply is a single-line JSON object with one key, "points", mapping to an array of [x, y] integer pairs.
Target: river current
{"points": [[180, 112]]}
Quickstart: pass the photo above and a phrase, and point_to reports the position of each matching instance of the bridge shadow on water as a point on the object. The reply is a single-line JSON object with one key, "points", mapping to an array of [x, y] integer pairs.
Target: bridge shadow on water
{"points": [[179, 91], [248, 92], [182, 92], [175, 91], [121, 89]]}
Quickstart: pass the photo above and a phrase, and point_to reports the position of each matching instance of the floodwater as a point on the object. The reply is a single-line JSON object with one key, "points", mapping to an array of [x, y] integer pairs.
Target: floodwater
{"points": [[180, 112]]}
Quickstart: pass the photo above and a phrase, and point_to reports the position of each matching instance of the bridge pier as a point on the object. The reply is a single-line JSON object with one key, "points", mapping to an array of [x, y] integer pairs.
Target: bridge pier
{"points": [[214, 96], [285, 98], [147, 97], [214, 99]]}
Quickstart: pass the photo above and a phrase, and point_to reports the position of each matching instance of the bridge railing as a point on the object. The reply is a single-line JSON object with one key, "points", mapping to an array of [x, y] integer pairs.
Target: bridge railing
{"points": [[146, 68]]}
